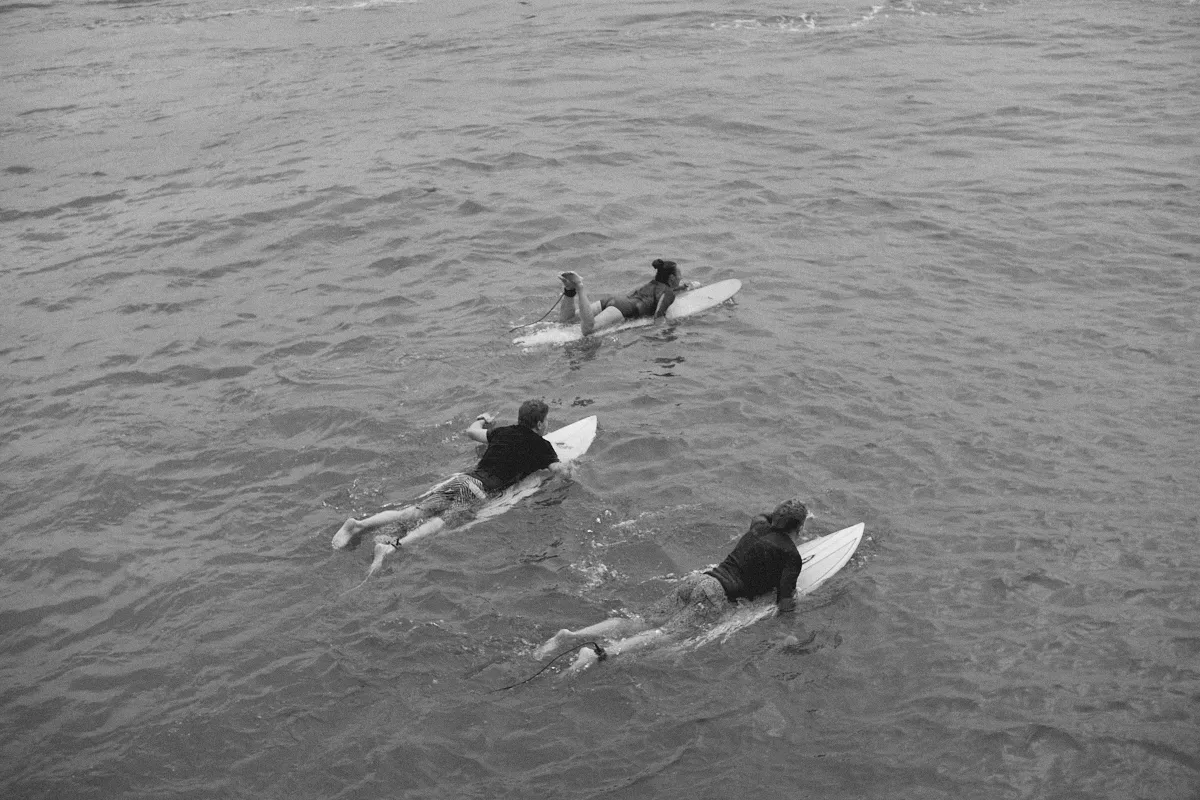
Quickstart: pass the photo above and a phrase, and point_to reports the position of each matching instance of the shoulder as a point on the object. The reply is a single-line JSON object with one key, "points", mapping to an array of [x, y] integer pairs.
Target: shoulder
{"points": [[504, 432], [782, 544], [786, 544]]}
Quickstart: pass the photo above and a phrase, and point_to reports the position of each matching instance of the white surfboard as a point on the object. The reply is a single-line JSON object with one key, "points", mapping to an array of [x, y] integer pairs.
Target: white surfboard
{"points": [[693, 301], [823, 558]]}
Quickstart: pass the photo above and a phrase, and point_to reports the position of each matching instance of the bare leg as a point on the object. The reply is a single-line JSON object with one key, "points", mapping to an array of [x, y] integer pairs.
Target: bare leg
{"points": [[587, 656], [566, 309], [386, 545], [610, 627], [587, 314], [591, 316], [637, 642], [566, 306], [426, 528], [609, 316], [352, 528]]}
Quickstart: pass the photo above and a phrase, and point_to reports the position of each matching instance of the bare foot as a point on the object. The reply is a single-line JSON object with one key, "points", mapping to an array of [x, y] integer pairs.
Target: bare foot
{"points": [[586, 658], [555, 642], [347, 534], [384, 546], [571, 280]]}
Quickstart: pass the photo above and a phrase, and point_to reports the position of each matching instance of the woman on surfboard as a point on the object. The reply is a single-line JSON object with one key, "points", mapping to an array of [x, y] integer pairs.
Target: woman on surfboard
{"points": [[764, 560], [650, 299], [513, 452]]}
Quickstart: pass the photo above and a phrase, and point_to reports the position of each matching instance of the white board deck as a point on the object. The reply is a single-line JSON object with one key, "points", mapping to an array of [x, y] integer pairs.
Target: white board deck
{"points": [[693, 301]]}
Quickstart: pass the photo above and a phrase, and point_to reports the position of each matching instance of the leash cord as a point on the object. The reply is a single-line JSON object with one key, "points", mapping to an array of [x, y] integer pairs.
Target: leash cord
{"points": [[594, 645], [536, 321]]}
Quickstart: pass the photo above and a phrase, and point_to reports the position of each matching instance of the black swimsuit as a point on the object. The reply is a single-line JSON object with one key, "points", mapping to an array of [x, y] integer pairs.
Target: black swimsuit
{"points": [[642, 301]]}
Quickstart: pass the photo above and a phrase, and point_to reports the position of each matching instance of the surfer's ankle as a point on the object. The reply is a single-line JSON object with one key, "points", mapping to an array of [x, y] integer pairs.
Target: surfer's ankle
{"points": [[388, 540]]}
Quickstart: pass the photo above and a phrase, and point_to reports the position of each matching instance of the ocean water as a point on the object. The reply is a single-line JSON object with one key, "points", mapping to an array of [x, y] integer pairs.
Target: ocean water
{"points": [[261, 262]]}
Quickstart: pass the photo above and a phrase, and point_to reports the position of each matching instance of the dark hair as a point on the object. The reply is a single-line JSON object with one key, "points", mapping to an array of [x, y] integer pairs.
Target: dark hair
{"points": [[532, 413], [664, 270], [787, 516]]}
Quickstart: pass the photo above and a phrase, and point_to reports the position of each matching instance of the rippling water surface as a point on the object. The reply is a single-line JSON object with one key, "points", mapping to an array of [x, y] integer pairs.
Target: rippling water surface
{"points": [[260, 268]]}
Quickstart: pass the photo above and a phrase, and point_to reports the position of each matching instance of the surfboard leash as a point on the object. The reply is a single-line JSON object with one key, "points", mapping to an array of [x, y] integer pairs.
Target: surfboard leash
{"points": [[536, 321], [594, 645]]}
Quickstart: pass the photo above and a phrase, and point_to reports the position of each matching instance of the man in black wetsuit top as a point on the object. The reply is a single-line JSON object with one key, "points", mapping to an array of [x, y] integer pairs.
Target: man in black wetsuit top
{"points": [[651, 299], [764, 560], [513, 452]]}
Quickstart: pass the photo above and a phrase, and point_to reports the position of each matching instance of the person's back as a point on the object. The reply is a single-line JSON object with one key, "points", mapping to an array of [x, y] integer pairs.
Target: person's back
{"points": [[513, 452], [646, 298], [765, 559]]}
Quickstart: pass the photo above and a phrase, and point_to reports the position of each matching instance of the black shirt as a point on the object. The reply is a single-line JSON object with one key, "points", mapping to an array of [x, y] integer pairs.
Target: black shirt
{"points": [[763, 560], [513, 452]]}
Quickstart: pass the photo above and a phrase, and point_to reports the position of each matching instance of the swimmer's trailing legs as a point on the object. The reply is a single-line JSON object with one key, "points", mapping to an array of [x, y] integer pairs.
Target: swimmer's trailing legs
{"points": [[353, 528], [591, 316], [609, 628], [386, 545], [587, 656]]}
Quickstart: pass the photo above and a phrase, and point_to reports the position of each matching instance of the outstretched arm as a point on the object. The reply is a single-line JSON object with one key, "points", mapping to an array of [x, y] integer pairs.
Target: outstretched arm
{"points": [[785, 599], [478, 430], [664, 302]]}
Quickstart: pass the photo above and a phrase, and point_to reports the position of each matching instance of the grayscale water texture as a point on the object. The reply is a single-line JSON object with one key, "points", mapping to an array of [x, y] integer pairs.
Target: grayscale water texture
{"points": [[259, 265]]}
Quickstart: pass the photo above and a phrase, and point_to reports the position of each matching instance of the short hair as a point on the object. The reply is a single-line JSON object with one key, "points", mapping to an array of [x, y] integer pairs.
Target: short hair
{"points": [[532, 413], [788, 515]]}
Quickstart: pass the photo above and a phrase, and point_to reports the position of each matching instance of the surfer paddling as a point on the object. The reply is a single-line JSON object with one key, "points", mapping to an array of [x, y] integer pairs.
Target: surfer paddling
{"points": [[513, 452], [649, 300], [764, 560]]}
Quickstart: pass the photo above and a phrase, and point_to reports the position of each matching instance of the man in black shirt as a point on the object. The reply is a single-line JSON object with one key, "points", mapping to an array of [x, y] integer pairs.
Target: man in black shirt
{"points": [[513, 452], [764, 560]]}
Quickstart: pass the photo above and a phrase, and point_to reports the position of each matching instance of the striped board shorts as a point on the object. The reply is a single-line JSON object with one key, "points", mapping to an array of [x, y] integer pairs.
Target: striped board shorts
{"points": [[698, 599], [458, 491]]}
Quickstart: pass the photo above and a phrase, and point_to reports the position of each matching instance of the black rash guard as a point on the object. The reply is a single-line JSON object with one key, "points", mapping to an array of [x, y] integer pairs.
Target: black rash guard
{"points": [[642, 301], [513, 452], [763, 560]]}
